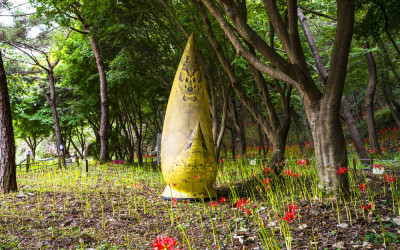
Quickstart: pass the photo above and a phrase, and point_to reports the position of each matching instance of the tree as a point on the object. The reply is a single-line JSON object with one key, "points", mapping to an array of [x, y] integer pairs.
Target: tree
{"points": [[8, 178], [32, 122], [322, 108], [70, 14]]}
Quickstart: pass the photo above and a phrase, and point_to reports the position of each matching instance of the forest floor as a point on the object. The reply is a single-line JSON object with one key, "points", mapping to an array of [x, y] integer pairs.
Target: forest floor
{"points": [[119, 207]]}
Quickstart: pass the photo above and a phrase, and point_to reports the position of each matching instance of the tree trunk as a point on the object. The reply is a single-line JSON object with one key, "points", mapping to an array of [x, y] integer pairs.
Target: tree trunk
{"points": [[8, 178], [385, 78], [54, 113], [308, 129], [330, 147], [299, 134], [139, 151], [241, 138], [369, 100], [355, 135], [104, 120]]}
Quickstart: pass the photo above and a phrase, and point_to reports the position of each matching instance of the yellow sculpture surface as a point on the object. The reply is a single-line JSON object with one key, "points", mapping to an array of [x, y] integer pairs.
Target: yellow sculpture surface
{"points": [[188, 159]]}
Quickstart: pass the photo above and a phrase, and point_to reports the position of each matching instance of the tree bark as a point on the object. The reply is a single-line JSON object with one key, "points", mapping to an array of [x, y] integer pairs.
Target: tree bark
{"points": [[299, 134], [369, 100], [8, 178], [355, 135], [385, 78], [104, 119], [52, 103]]}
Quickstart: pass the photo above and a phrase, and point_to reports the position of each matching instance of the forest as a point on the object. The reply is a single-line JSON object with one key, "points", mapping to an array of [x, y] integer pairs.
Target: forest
{"points": [[304, 132]]}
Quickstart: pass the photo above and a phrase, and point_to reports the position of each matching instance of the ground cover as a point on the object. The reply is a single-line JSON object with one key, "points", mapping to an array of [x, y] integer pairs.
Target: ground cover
{"points": [[119, 206]]}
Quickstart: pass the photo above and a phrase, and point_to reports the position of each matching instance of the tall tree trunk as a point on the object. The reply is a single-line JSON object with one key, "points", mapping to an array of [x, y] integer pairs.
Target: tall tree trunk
{"points": [[104, 119], [54, 113], [139, 151], [8, 178], [240, 129], [299, 134], [330, 146], [355, 135], [307, 129], [385, 78], [369, 100]]}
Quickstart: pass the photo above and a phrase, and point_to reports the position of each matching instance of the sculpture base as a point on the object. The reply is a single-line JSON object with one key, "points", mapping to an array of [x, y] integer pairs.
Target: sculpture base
{"points": [[170, 193]]}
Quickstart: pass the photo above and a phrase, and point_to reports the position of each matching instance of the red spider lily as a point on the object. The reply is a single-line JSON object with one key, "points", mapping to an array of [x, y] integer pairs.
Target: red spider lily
{"points": [[222, 200], [237, 156], [301, 162], [248, 211], [214, 204], [186, 202], [267, 169], [164, 243], [289, 216], [362, 186], [342, 170], [293, 208], [242, 205], [378, 166], [288, 172], [222, 160], [196, 177], [175, 201], [295, 174], [369, 207], [266, 181], [242, 202], [389, 179]]}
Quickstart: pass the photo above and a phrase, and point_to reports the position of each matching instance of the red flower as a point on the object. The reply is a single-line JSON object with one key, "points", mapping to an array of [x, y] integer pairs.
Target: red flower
{"points": [[362, 186], [378, 166], [248, 211], [175, 201], [164, 243], [237, 156], [295, 174], [266, 181], [267, 169], [222, 200], [389, 179], [342, 170], [196, 177], [222, 160], [288, 172], [289, 215], [241, 202], [214, 204], [301, 162], [369, 208]]}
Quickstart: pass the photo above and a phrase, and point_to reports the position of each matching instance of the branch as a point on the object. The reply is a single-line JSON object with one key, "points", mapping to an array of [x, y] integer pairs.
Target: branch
{"points": [[258, 64], [318, 14], [80, 31], [18, 15]]}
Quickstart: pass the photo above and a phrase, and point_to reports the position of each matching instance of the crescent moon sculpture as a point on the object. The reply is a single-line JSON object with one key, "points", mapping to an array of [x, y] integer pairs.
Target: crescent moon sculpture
{"points": [[188, 159]]}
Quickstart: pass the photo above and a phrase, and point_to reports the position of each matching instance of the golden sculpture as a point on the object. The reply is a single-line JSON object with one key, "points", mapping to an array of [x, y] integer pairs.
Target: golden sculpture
{"points": [[188, 159]]}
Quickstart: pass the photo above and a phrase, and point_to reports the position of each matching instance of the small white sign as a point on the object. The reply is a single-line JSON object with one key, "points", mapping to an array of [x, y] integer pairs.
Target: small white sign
{"points": [[378, 170]]}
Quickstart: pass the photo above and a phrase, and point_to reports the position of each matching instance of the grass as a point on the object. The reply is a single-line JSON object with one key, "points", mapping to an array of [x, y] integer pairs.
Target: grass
{"points": [[119, 206]]}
